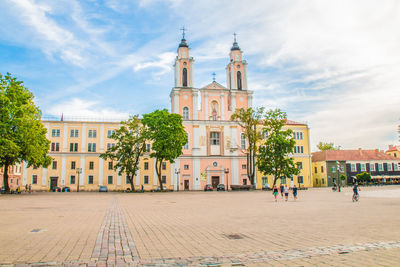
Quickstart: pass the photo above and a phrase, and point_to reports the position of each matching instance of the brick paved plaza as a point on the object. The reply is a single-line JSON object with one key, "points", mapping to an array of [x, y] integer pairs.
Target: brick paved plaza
{"points": [[201, 228]]}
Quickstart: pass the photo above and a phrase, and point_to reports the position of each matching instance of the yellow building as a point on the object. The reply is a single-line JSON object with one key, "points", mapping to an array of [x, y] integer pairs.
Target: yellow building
{"points": [[393, 151], [301, 155], [75, 148]]}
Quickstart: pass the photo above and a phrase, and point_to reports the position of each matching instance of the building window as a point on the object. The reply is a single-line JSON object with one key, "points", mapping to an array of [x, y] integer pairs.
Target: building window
{"points": [[186, 167], [322, 169], [74, 133], [214, 138], [239, 80], [353, 167], [72, 179], [243, 141], [323, 181], [333, 168], [164, 165], [92, 133], [34, 179], [380, 167], [184, 77], [109, 146], [372, 167], [363, 168], [185, 113], [110, 165], [90, 179], [110, 179], [389, 166], [91, 147], [55, 146], [146, 165], [54, 165], [283, 180], [164, 179], [300, 179], [186, 146], [243, 166], [110, 132], [146, 179], [91, 165], [396, 166], [300, 165], [148, 147], [315, 169], [127, 180], [73, 147], [264, 180], [55, 133], [72, 165]]}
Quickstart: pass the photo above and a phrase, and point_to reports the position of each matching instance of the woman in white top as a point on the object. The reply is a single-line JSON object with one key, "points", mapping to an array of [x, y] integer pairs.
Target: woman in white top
{"points": [[286, 190]]}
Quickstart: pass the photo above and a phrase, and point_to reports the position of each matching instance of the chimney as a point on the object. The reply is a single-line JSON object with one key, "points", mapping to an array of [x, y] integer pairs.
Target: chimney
{"points": [[376, 150], [390, 146], [360, 151]]}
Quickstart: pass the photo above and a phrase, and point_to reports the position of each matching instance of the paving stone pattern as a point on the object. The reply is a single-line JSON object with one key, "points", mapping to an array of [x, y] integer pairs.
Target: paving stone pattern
{"points": [[322, 228]]}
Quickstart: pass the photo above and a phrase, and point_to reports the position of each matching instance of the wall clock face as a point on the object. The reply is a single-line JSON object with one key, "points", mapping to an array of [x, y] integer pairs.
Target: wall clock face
{"points": [[215, 164]]}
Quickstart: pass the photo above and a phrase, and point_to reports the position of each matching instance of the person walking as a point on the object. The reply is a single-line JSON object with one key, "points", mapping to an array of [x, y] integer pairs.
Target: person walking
{"points": [[286, 189], [294, 190], [30, 188], [26, 188], [275, 192], [281, 188]]}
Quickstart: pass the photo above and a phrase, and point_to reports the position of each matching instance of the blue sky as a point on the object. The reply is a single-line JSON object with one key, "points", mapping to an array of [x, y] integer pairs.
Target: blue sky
{"points": [[332, 64]]}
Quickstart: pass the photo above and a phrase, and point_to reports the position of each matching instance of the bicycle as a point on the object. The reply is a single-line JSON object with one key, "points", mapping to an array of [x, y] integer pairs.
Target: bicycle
{"points": [[356, 197]]}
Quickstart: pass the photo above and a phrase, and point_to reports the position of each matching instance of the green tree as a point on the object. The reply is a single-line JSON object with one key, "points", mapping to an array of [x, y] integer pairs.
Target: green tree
{"points": [[327, 146], [22, 134], [273, 153], [248, 119], [363, 177], [131, 143], [167, 135]]}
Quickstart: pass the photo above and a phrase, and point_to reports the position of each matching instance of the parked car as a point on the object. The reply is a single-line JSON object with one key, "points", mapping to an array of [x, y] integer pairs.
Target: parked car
{"points": [[66, 189], [221, 187], [208, 188], [103, 188], [266, 187]]}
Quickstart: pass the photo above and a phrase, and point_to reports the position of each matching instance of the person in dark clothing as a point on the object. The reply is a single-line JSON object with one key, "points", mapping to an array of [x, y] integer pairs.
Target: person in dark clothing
{"points": [[294, 189], [275, 192], [282, 188]]}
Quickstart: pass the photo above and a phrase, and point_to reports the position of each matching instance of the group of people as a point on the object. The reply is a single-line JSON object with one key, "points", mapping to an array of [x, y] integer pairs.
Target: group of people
{"points": [[284, 189]]}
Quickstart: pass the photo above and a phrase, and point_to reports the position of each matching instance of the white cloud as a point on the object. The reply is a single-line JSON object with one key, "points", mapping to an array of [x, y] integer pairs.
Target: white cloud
{"points": [[164, 62], [80, 109]]}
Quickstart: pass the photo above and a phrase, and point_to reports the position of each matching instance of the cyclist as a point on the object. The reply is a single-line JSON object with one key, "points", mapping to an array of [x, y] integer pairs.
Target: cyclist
{"points": [[355, 190]]}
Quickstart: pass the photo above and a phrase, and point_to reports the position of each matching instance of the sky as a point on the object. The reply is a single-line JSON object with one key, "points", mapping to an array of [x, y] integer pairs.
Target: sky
{"points": [[332, 64]]}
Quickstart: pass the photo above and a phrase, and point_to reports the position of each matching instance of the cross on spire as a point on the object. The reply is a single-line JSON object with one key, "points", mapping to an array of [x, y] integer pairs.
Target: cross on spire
{"points": [[183, 32], [213, 74], [234, 36]]}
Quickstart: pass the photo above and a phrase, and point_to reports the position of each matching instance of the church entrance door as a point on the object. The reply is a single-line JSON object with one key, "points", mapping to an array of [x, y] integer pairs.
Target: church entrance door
{"points": [[215, 181]]}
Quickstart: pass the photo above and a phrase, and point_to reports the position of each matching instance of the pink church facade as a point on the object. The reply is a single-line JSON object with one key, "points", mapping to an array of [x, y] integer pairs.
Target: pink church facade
{"points": [[213, 154]]}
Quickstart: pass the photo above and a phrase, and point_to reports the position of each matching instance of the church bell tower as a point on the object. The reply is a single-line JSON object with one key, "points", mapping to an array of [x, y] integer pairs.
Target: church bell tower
{"points": [[236, 70], [183, 65]]}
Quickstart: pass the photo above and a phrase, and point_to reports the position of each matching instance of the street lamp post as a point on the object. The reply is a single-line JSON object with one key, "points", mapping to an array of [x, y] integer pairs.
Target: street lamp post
{"points": [[177, 171], [78, 171], [227, 180], [337, 170]]}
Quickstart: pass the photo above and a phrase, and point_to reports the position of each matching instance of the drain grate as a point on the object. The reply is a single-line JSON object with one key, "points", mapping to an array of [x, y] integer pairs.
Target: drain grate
{"points": [[36, 230], [234, 236], [343, 252]]}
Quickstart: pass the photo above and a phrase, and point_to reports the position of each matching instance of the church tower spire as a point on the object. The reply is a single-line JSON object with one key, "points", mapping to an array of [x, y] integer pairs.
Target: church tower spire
{"points": [[236, 70], [183, 64]]}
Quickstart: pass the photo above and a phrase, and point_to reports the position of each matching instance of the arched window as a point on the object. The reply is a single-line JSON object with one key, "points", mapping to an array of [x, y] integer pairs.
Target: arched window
{"points": [[185, 113], [239, 80], [184, 77], [214, 110], [243, 141], [186, 146]]}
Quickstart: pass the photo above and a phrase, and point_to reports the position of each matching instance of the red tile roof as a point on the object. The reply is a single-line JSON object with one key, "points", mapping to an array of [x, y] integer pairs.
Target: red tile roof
{"points": [[289, 122], [359, 154], [393, 148]]}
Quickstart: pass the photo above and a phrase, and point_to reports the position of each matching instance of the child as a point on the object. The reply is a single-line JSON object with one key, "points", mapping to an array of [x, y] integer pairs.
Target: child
{"points": [[275, 192], [286, 189]]}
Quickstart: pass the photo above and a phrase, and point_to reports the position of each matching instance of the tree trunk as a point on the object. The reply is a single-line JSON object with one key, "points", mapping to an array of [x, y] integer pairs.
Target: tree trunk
{"points": [[130, 177], [158, 171], [5, 178]]}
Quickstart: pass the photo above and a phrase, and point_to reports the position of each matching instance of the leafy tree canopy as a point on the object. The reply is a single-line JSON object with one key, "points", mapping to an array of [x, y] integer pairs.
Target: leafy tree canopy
{"points": [[327, 146], [22, 135], [129, 147], [168, 136], [273, 157], [249, 119]]}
